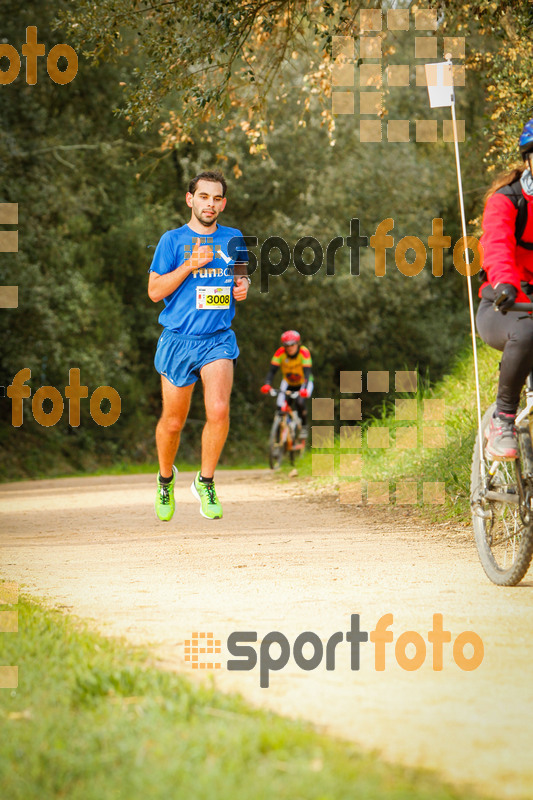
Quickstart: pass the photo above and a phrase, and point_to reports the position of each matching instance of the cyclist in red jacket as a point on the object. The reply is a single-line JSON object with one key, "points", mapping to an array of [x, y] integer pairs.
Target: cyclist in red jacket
{"points": [[508, 264], [295, 362]]}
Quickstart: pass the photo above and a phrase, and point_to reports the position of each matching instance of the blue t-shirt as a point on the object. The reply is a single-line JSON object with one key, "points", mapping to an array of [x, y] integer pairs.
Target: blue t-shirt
{"points": [[203, 304]]}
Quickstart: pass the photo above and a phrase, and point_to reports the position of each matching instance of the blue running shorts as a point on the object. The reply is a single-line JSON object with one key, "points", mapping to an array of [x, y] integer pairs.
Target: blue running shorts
{"points": [[180, 358]]}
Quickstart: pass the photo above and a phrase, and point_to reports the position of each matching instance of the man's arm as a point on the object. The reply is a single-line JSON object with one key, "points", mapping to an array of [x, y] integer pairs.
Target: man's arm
{"points": [[270, 375], [160, 286]]}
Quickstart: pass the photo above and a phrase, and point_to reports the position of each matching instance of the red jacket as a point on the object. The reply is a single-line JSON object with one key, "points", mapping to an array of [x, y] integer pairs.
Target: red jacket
{"points": [[503, 260]]}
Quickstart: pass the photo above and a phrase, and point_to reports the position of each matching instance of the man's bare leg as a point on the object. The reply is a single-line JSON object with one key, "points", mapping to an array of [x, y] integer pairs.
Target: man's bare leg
{"points": [[176, 403], [217, 378]]}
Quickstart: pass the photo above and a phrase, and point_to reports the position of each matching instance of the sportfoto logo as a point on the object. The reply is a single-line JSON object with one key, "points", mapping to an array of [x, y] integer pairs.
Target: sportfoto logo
{"points": [[409, 652], [410, 252], [32, 50], [74, 392]]}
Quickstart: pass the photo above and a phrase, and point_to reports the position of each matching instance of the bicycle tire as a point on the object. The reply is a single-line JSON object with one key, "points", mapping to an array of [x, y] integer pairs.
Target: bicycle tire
{"points": [[503, 530], [276, 447], [297, 443]]}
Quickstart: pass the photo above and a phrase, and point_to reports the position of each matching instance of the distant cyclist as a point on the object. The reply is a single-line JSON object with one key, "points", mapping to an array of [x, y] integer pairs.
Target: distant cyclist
{"points": [[508, 262], [295, 362]]}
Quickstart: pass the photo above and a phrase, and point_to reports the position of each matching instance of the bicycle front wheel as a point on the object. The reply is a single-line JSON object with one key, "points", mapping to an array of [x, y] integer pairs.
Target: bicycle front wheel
{"points": [[501, 512], [297, 444], [276, 444]]}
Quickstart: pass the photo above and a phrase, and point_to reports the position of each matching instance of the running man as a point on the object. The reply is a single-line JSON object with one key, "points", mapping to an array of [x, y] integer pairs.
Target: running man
{"points": [[199, 270], [295, 362]]}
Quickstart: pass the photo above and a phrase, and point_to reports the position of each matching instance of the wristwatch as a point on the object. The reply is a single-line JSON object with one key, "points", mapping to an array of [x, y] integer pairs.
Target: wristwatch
{"points": [[247, 277]]}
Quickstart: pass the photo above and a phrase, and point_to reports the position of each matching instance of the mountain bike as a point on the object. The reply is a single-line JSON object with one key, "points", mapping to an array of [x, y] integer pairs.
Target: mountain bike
{"points": [[285, 433], [501, 496]]}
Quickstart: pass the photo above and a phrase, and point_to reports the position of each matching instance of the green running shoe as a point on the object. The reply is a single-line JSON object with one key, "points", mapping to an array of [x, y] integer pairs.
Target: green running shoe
{"points": [[165, 505], [210, 507]]}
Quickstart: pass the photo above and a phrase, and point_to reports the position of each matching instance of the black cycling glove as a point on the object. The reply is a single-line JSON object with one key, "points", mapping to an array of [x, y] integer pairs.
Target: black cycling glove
{"points": [[505, 296]]}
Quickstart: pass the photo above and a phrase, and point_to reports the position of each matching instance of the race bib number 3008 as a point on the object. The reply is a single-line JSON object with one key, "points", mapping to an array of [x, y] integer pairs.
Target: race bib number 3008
{"points": [[212, 297]]}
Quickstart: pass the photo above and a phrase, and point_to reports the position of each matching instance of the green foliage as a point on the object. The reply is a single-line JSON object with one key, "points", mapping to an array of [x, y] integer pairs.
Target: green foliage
{"points": [[251, 49], [500, 61], [94, 199], [84, 225], [205, 57]]}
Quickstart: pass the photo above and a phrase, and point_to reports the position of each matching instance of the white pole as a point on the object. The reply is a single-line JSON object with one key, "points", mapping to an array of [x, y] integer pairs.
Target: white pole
{"points": [[469, 278]]}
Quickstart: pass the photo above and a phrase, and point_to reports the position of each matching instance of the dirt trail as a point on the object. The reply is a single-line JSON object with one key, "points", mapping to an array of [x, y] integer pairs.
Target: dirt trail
{"points": [[281, 560]]}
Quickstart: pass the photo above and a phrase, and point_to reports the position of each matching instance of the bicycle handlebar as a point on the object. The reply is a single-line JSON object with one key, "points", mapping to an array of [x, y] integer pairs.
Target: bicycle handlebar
{"points": [[287, 392], [521, 307], [502, 297]]}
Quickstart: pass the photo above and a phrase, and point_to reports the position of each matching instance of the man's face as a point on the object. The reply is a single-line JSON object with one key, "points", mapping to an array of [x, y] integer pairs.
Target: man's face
{"points": [[291, 350], [207, 201]]}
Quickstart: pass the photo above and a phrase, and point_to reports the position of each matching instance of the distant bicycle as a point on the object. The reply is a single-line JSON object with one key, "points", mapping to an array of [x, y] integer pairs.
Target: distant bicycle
{"points": [[501, 497], [286, 431]]}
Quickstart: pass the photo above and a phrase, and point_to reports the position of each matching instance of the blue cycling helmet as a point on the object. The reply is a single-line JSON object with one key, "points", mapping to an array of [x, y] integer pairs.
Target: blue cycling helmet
{"points": [[525, 143]]}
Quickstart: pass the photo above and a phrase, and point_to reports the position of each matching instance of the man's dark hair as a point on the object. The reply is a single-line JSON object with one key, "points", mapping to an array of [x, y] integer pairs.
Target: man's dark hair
{"points": [[211, 175]]}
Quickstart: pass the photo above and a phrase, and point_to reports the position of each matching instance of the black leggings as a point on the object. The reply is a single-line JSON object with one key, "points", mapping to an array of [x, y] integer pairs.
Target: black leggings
{"points": [[512, 333]]}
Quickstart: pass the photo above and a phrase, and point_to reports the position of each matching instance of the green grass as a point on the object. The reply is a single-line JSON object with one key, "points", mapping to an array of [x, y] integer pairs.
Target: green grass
{"points": [[125, 467], [91, 720], [130, 468], [450, 463], [32, 452]]}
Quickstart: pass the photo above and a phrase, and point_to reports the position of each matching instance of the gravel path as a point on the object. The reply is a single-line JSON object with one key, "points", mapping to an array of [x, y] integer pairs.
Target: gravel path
{"points": [[285, 560]]}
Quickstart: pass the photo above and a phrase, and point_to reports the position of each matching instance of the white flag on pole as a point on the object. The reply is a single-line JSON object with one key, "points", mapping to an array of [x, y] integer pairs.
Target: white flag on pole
{"points": [[439, 79]]}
